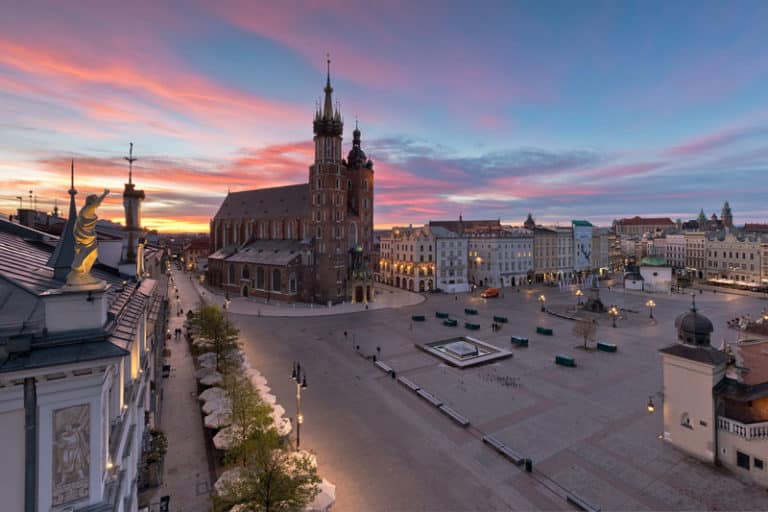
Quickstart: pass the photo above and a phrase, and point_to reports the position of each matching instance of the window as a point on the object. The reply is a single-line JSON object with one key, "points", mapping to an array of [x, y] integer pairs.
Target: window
{"points": [[246, 272], [260, 278], [742, 460], [685, 420], [276, 280], [758, 463]]}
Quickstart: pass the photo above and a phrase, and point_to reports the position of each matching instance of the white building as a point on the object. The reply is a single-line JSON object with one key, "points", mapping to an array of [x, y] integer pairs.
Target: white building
{"points": [[733, 260], [564, 252], [675, 251], [715, 402], [407, 258], [500, 256], [77, 374], [582, 245], [656, 274], [452, 265]]}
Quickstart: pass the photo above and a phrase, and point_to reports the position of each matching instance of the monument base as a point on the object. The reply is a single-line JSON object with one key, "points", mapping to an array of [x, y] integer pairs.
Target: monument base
{"points": [[76, 307]]}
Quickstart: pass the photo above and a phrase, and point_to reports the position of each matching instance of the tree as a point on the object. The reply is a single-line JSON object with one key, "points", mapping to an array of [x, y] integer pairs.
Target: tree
{"points": [[585, 328], [274, 480], [217, 331], [251, 420]]}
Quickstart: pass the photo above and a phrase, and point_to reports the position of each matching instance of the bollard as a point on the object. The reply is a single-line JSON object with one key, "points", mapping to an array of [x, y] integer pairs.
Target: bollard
{"points": [[529, 465]]}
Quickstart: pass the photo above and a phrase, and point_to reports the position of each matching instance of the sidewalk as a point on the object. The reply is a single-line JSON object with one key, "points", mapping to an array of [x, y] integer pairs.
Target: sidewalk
{"points": [[385, 297], [186, 476]]}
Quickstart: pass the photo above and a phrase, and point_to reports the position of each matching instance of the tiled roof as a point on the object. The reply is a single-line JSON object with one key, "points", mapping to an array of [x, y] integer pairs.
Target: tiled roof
{"points": [[287, 201], [755, 228], [265, 252], [709, 355]]}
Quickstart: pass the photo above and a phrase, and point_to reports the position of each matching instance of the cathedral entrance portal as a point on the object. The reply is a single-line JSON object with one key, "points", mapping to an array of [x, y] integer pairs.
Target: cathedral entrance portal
{"points": [[245, 290], [358, 294]]}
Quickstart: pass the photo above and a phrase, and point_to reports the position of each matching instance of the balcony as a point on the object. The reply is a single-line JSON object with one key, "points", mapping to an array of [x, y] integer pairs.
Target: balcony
{"points": [[749, 431]]}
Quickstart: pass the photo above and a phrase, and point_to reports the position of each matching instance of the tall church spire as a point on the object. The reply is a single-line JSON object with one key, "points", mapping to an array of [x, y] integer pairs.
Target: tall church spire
{"points": [[328, 105]]}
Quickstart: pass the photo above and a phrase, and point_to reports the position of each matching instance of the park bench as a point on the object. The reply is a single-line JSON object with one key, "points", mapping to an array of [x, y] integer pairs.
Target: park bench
{"points": [[470, 311], [384, 367], [408, 383], [440, 314], [450, 322], [520, 342], [418, 318], [471, 326], [504, 450], [606, 347], [500, 319], [455, 416], [429, 397], [546, 331], [565, 360], [581, 503]]}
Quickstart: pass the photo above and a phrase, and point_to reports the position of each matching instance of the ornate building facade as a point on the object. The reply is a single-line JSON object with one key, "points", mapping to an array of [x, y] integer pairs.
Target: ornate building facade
{"points": [[310, 242]]}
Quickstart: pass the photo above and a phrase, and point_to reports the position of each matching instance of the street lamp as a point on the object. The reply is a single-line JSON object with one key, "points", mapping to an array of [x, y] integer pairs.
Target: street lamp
{"points": [[650, 405], [543, 300], [579, 293], [650, 305], [299, 375], [614, 312]]}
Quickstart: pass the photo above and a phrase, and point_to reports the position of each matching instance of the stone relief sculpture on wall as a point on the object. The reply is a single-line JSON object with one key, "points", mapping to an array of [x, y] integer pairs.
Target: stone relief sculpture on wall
{"points": [[71, 454], [86, 248]]}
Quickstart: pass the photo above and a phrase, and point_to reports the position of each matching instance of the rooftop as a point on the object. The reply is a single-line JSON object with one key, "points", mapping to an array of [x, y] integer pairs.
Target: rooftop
{"points": [[286, 201]]}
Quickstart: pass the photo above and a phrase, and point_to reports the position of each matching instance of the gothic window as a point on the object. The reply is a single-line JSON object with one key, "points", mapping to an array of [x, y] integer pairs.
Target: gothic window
{"points": [[292, 282], [338, 183], [319, 232], [365, 203], [318, 184], [365, 185], [349, 184], [231, 273], [275, 230], [318, 215], [276, 280], [246, 272], [260, 278]]}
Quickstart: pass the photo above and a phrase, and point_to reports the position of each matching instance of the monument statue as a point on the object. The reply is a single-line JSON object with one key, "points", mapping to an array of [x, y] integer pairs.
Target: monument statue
{"points": [[86, 248]]}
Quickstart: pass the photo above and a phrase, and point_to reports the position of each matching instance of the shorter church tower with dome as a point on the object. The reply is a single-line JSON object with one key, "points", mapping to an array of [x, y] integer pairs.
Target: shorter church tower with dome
{"points": [[716, 399]]}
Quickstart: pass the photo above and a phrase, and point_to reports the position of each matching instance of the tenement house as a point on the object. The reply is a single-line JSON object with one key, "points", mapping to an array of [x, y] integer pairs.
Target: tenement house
{"points": [[733, 259], [407, 259], [80, 346], [310, 242], [638, 226]]}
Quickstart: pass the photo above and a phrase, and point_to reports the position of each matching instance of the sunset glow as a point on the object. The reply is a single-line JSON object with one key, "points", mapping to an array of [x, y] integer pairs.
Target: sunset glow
{"points": [[600, 110]]}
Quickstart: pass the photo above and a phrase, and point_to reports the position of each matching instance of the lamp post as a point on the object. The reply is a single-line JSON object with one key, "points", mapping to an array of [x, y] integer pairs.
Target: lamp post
{"points": [[650, 405], [650, 305], [299, 375], [614, 312], [542, 300], [579, 294]]}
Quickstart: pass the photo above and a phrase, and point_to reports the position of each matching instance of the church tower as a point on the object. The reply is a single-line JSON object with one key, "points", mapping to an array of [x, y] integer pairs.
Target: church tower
{"points": [[726, 216], [132, 199], [359, 224], [327, 202]]}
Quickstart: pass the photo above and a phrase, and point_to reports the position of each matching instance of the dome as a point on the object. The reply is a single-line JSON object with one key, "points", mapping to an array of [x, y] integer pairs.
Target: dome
{"points": [[694, 328]]}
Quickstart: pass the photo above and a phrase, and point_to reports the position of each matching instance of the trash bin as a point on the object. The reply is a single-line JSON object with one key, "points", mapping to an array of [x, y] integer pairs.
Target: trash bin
{"points": [[528, 465]]}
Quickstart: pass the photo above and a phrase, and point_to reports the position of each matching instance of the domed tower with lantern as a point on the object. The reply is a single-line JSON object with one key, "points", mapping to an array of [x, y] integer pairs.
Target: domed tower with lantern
{"points": [[359, 221]]}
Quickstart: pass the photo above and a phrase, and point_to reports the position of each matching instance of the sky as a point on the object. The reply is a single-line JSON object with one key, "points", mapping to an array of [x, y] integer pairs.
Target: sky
{"points": [[488, 109]]}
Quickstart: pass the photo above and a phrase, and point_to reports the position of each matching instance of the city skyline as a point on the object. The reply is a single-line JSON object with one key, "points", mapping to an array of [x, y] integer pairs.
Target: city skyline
{"points": [[594, 111]]}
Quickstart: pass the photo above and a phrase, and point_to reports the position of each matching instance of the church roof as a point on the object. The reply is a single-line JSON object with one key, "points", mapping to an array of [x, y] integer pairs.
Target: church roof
{"points": [[702, 354], [262, 252], [286, 201]]}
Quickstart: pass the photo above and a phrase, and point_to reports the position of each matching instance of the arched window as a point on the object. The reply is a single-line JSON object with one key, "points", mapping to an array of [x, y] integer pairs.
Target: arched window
{"points": [[231, 273], [292, 282], [276, 280], [246, 272], [260, 278], [349, 185], [352, 234]]}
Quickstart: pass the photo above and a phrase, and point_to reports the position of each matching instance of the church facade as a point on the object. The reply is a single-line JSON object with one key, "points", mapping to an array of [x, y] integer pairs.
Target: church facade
{"points": [[309, 242]]}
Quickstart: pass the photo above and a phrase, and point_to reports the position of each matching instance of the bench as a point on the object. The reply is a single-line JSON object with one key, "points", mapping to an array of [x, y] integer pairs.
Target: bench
{"points": [[546, 331], [455, 416], [383, 366], [418, 318], [471, 326], [520, 342], [408, 383], [440, 314], [500, 319], [429, 397], [504, 450], [606, 347], [470, 311], [565, 360], [450, 322], [581, 503]]}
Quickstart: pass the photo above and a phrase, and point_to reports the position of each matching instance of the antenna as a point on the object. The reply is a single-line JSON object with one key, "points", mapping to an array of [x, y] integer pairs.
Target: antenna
{"points": [[130, 158], [30, 199]]}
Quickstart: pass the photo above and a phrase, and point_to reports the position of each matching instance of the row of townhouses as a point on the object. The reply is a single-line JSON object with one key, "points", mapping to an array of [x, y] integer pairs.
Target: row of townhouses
{"points": [[451, 256]]}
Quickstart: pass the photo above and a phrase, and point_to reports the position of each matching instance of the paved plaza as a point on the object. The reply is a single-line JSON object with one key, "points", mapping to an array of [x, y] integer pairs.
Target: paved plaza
{"points": [[586, 428]]}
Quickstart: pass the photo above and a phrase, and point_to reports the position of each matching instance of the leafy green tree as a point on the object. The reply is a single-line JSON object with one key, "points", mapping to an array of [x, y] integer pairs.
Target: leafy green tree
{"points": [[251, 420], [274, 480], [217, 331]]}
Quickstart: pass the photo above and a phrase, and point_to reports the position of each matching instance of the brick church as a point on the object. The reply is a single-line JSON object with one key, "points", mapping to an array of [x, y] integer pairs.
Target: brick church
{"points": [[309, 242]]}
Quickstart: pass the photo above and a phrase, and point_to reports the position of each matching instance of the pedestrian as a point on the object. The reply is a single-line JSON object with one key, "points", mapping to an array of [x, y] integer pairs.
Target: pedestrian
{"points": [[456, 298]]}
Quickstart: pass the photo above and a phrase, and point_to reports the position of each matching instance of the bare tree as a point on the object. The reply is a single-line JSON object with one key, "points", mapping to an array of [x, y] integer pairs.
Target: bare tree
{"points": [[586, 328]]}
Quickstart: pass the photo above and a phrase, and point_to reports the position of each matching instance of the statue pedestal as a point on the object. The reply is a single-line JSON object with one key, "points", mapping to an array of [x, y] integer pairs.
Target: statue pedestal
{"points": [[71, 308]]}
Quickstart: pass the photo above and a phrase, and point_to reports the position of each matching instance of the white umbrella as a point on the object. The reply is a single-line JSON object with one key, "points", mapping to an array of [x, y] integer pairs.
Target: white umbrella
{"points": [[212, 379], [227, 477], [283, 426], [218, 419], [262, 388], [207, 360], [257, 379], [269, 398], [226, 437], [277, 411], [325, 499], [214, 405], [212, 393]]}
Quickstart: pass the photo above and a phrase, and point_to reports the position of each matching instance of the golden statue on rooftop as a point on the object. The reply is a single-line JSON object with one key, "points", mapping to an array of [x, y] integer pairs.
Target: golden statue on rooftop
{"points": [[86, 248]]}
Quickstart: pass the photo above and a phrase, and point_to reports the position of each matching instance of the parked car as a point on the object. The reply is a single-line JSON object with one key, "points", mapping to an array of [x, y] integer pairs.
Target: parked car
{"points": [[490, 293]]}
